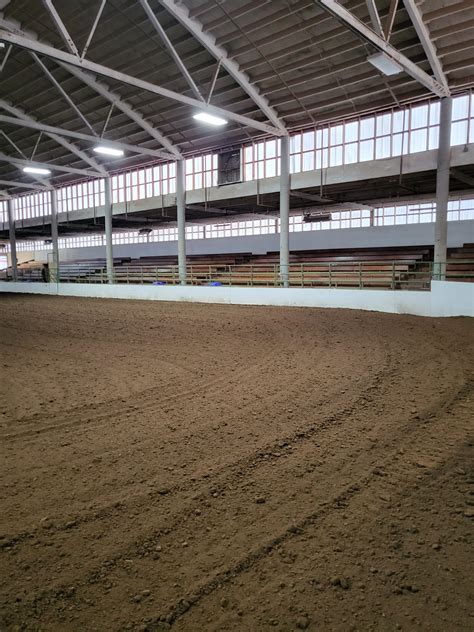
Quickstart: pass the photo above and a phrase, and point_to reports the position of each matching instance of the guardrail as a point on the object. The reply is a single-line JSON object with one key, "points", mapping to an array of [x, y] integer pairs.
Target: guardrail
{"points": [[401, 274]]}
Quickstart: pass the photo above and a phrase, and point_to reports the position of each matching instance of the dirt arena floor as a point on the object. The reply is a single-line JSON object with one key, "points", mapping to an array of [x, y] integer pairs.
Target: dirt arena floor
{"points": [[193, 468]]}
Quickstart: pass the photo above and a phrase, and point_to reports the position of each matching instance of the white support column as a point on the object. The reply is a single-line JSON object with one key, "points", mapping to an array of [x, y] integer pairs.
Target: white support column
{"points": [[54, 273], [285, 210], [442, 190], [109, 252], [11, 229], [181, 217]]}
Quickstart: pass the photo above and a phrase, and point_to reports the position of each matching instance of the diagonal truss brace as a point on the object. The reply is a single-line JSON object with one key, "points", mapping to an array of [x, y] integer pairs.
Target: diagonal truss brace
{"points": [[46, 165], [22, 185], [124, 107], [390, 19], [63, 92], [374, 17], [61, 141], [368, 35], [425, 39], [49, 51], [181, 14], [85, 137], [93, 29], [90, 80], [171, 49], [60, 26]]}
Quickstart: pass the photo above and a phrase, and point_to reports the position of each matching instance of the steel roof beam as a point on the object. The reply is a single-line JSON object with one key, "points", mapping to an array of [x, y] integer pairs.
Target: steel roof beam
{"points": [[425, 39], [55, 53], [22, 185], [369, 36], [61, 141], [108, 94], [121, 105], [171, 49], [90, 139], [46, 165], [180, 13]]}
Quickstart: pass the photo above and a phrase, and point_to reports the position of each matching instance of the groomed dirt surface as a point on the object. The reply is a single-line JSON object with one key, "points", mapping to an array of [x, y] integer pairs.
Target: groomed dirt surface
{"points": [[199, 467]]}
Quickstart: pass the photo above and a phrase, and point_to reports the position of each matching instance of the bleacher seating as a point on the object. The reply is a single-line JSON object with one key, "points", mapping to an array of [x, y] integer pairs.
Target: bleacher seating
{"points": [[400, 268], [460, 263]]}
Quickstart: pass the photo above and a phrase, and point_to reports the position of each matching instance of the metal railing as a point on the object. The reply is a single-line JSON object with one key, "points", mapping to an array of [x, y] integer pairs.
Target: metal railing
{"points": [[400, 274]]}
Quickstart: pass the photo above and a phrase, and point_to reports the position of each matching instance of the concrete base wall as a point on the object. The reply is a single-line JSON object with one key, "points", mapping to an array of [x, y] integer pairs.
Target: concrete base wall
{"points": [[459, 232], [444, 299]]}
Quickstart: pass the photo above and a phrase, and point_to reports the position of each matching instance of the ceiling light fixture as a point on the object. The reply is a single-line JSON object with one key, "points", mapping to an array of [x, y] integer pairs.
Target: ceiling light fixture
{"points": [[108, 151], [385, 64], [204, 117], [38, 170]]}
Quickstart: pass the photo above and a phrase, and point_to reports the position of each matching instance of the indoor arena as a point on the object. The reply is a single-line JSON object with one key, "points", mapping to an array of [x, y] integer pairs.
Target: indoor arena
{"points": [[236, 315]]}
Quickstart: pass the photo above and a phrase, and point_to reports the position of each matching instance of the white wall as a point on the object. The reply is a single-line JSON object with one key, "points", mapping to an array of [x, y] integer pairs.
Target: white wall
{"points": [[338, 239], [444, 299]]}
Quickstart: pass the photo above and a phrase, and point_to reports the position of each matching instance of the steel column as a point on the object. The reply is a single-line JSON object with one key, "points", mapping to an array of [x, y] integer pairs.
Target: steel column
{"points": [[109, 251], [442, 190], [181, 217], [54, 235], [11, 229], [284, 210]]}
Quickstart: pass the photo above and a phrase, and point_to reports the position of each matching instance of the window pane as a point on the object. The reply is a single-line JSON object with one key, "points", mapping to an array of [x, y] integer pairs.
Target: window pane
{"points": [[352, 131], [460, 107], [367, 128], [419, 116], [366, 150], [418, 140], [459, 133], [350, 153], [308, 141]]}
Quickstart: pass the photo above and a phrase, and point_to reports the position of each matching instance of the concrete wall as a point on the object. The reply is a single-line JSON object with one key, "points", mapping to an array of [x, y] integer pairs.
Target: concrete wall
{"points": [[382, 236], [444, 299]]}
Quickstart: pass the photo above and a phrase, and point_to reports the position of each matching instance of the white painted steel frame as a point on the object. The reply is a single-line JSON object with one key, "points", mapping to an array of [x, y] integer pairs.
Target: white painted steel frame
{"points": [[180, 13], [368, 35], [68, 58]]}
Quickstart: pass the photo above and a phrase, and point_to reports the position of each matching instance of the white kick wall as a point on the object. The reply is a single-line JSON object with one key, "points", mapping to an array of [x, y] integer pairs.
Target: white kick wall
{"points": [[445, 298]]}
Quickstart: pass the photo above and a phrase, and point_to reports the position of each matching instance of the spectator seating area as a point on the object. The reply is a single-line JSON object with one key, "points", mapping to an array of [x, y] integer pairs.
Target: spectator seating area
{"points": [[396, 268]]}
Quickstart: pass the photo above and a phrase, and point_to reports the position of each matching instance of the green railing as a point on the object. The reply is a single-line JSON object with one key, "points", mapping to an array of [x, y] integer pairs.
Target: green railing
{"points": [[400, 274]]}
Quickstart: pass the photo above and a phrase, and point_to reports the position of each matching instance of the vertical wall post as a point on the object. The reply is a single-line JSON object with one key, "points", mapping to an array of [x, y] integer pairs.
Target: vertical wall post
{"points": [[284, 210], [442, 190], [181, 217], [109, 251], [54, 273], [11, 229]]}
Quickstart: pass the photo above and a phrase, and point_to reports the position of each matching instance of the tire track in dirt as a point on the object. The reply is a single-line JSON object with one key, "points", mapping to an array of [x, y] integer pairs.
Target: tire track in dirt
{"points": [[97, 562], [300, 437], [294, 438]]}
